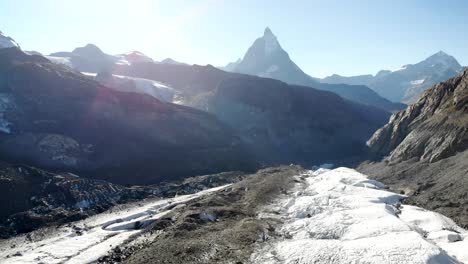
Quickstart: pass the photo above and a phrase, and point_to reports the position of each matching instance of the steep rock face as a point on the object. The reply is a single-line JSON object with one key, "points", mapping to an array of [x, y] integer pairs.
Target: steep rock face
{"points": [[433, 128], [283, 123], [69, 122], [426, 150], [266, 58]]}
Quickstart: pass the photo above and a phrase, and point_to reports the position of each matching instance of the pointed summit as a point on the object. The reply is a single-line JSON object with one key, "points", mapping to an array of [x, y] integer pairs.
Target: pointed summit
{"points": [[266, 58], [268, 32]]}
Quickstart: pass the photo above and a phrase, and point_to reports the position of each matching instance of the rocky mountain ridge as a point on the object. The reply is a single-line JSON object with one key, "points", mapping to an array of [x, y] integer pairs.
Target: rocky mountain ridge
{"points": [[425, 150]]}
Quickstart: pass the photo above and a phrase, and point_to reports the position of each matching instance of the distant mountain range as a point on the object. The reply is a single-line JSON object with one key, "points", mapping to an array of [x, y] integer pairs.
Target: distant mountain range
{"points": [[266, 58], [409, 82], [108, 124], [92, 59]]}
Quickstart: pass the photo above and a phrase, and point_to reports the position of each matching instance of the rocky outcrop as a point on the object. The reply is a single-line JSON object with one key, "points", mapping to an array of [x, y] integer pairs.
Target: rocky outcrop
{"points": [[434, 128], [425, 150], [69, 122]]}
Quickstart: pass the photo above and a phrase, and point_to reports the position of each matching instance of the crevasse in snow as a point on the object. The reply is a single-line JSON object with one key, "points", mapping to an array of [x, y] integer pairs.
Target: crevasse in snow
{"points": [[340, 216]]}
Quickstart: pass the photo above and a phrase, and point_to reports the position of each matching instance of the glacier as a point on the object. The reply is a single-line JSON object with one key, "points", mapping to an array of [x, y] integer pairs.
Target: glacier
{"points": [[88, 240], [341, 216]]}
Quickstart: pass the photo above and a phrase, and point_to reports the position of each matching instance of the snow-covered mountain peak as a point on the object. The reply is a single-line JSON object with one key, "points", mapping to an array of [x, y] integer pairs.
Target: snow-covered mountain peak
{"points": [[7, 42]]}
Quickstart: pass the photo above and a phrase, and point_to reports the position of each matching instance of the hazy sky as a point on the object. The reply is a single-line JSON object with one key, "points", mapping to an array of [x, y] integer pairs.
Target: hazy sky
{"points": [[321, 36]]}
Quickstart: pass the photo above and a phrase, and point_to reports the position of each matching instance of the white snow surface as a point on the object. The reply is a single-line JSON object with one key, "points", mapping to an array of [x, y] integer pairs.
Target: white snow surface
{"points": [[341, 216], [417, 82], [60, 60], [155, 89], [7, 42], [100, 234]]}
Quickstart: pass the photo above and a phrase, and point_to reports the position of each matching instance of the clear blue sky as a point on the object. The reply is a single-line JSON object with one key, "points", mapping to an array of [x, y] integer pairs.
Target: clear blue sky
{"points": [[322, 36]]}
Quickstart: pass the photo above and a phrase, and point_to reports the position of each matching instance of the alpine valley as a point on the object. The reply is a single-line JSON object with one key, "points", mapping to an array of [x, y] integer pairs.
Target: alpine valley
{"points": [[121, 158]]}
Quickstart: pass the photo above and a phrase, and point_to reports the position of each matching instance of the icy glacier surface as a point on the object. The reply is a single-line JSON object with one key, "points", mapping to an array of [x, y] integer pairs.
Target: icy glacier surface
{"points": [[340, 216]]}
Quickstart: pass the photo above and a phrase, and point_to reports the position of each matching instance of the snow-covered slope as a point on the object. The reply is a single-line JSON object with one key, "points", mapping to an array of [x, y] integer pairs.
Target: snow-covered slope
{"points": [[340, 216], [7, 42], [60, 60], [86, 241], [122, 83]]}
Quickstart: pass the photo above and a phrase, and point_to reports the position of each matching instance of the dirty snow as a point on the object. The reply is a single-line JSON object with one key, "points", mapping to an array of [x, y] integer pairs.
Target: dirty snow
{"points": [[87, 240], [340, 216]]}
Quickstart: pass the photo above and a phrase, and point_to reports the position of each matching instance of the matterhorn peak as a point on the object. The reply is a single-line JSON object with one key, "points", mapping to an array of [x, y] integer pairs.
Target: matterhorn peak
{"points": [[268, 32]]}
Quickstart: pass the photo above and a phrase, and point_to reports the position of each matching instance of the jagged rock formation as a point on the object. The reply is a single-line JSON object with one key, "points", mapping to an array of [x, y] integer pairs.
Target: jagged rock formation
{"points": [[425, 149], [433, 128]]}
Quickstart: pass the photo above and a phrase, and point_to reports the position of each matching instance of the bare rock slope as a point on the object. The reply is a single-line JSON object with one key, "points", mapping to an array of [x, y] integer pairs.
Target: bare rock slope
{"points": [[425, 150]]}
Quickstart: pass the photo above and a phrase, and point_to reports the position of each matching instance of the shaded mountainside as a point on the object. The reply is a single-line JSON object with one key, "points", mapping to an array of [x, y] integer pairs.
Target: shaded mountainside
{"points": [[283, 123], [69, 122], [425, 149], [266, 58]]}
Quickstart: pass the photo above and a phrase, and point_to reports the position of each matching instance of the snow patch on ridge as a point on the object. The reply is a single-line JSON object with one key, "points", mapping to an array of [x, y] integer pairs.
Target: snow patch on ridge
{"points": [[417, 82], [60, 60], [341, 216]]}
